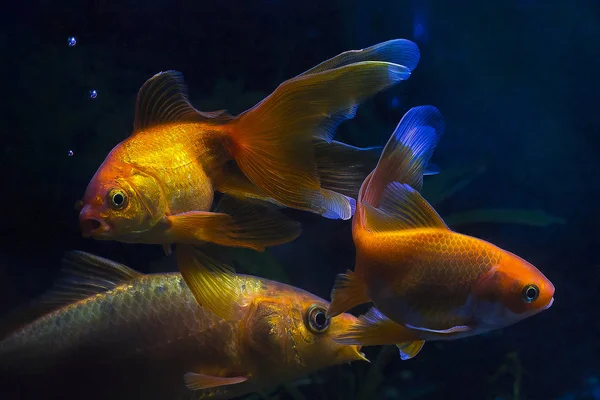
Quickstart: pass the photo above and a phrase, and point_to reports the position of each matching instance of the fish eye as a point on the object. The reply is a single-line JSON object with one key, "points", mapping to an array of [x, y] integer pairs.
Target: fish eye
{"points": [[117, 199], [317, 319], [530, 293]]}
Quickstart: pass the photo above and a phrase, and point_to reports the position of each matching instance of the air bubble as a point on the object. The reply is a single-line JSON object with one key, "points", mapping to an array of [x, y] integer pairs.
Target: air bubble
{"points": [[70, 153], [93, 94], [72, 41]]}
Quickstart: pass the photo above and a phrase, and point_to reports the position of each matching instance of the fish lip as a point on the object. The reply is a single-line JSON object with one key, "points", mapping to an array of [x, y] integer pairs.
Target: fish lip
{"points": [[101, 227], [549, 303]]}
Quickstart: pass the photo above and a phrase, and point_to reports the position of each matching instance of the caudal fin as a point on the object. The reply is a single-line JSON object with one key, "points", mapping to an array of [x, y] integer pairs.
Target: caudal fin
{"points": [[273, 141]]}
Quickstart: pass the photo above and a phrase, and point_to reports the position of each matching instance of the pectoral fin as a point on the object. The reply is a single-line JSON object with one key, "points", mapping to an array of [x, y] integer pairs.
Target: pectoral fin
{"points": [[200, 381], [239, 224]]}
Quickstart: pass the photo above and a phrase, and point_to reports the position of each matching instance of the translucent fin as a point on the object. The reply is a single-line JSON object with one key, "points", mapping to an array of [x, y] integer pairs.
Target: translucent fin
{"points": [[349, 290], [236, 223], [258, 224], [432, 169], [272, 142], [85, 275], [407, 152], [211, 281], [163, 99], [454, 329], [410, 349], [401, 207], [375, 329], [397, 51], [233, 182], [198, 227], [343, 168], [200, 381], [82, 275]]}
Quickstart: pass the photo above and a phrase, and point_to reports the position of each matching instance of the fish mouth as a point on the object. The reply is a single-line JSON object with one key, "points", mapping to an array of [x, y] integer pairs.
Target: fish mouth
{"points": [[549, 304], [93, 227]]}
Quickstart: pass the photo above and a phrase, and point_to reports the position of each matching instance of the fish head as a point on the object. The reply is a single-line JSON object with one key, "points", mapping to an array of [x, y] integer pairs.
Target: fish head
{"points": [[120, 203], [289, 333], [511, 291]]}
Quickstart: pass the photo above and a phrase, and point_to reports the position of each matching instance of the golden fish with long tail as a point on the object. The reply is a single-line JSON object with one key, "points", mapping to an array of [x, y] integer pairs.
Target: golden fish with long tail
{"points": [[107, 331], [158, 185]]}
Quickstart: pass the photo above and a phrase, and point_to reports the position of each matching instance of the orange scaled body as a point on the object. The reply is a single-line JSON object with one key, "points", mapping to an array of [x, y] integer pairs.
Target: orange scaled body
{"points": [[427, 282], [144, 336]]}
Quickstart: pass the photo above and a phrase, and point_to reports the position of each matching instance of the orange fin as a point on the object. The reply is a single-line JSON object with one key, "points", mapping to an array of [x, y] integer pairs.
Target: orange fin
{"points": [[257, 224], [195, 381], [163, 99], [401, 207], [407, 153], [241, 224], [272, 142], [211, 281], [375, 329], [349, 290], [410, 349]]}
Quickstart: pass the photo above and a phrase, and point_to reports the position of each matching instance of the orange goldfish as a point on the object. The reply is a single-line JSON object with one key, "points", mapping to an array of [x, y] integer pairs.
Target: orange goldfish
{"points": [[111, 332], [158, 185], [427, 282]]}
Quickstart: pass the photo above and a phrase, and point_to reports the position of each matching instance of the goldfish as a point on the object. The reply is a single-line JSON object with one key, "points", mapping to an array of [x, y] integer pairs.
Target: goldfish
{"points": [[107, 331], [158, 185], [426, 281]]}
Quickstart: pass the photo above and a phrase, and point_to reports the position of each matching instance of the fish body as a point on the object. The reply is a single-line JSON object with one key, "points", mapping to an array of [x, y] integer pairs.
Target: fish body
{"points": [[149, 337], [427, 282], [158, 185]]}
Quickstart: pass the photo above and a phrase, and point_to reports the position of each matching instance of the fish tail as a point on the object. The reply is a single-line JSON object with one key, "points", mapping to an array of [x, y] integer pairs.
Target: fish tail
{"points": [[349, 290], [273, 142]]}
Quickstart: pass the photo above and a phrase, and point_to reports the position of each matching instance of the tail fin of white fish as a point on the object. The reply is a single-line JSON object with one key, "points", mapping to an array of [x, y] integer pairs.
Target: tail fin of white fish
{"points": [[272, 142]]}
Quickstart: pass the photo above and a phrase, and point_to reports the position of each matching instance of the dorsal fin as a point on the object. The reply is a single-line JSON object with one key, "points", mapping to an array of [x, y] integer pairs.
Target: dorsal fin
{"points": [[401, 207], [82, 275], [163, 99], [406, 154]]}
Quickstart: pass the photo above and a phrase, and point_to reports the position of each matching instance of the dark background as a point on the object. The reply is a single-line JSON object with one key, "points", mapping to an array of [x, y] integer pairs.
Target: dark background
{"points": [[517, 82]]}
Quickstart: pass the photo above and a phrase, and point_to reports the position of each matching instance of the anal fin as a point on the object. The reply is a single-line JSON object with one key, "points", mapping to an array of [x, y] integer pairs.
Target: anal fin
{"points": [[349, 290], [200, 381]]}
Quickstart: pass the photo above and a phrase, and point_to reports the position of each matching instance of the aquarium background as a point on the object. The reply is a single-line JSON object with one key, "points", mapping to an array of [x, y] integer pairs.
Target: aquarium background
{"points": [[517, 83]]}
